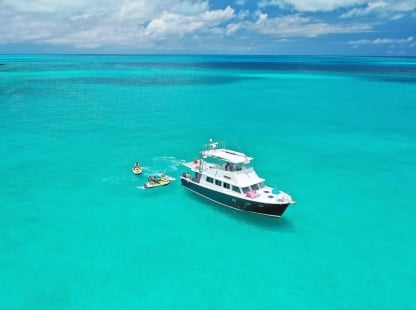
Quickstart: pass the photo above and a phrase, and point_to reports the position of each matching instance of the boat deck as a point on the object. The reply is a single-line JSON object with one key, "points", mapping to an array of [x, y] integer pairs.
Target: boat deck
{"points": [[228, 156]]}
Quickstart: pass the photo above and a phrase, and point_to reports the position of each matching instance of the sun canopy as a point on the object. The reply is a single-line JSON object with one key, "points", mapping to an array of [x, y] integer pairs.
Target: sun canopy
{"points": [[228, 156]]}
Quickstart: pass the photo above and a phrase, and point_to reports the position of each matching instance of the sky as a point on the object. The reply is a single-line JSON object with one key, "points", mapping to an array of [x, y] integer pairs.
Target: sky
{"points": [[275, 27]]}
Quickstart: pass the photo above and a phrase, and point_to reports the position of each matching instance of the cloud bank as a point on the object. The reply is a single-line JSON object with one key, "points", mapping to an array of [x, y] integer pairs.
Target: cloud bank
{"points": [[135, 25]]}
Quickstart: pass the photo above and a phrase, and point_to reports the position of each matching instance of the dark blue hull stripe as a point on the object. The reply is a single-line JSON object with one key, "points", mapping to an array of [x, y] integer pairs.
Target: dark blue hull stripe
{"points": [[241, 204]]}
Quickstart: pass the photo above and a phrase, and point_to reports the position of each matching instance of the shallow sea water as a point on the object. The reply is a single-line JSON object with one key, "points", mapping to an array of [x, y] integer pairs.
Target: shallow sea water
{"points": [[77, 230]]}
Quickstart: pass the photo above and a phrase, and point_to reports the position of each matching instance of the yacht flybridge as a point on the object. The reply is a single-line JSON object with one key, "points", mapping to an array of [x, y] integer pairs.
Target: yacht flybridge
{"points": [[226, 177]]}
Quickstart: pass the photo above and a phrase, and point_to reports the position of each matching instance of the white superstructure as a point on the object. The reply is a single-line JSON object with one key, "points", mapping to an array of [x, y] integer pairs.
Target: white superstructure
{"points": [[219, 174]]}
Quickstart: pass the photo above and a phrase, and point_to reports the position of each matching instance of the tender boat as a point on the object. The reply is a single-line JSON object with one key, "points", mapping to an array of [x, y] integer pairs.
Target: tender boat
{"points": [[158, 180], [136, 169], [227, 178]]}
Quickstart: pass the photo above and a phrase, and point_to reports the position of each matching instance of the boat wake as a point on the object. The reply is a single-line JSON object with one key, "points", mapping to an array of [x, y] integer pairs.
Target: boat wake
{"points": [[171, 162]]}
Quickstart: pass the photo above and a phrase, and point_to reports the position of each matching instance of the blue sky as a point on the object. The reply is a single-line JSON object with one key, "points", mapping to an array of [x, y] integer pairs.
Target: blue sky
{"points": [[329, 27]]}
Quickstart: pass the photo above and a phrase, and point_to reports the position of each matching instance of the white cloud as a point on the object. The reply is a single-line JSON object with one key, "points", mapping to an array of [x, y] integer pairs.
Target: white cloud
{"points": [[133, 10], [297, 25], [391, 9], [382, 41], [371, 7], [44, 6], [136, 24], [403, 5], [175, 24], [311, 5], [266, 3], [357, 7], [189, 7], [105, 22], [232, 28], [397, 16]]}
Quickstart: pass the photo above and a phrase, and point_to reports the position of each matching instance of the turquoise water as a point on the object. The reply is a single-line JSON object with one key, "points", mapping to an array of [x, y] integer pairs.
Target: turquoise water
{"points": [[77, 231]]}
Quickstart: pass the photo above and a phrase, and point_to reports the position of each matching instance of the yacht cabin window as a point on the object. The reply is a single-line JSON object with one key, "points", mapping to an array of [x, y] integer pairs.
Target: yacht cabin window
{"points": [[246, 189], [233, 167], [218, 182], [236, 189], [226, 185], [229, 167], [210, 180]]}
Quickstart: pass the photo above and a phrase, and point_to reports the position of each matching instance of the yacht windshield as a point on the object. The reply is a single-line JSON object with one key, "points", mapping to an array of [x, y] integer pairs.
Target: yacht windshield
{"points": [[255, 187], [246, 189]]}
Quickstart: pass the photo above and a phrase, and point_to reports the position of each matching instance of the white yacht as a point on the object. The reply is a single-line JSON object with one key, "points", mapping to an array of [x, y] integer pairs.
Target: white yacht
{"points": [[226, 177]]}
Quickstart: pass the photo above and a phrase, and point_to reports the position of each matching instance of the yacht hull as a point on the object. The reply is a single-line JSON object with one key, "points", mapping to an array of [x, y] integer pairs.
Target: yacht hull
{"points": [[248, 205]]}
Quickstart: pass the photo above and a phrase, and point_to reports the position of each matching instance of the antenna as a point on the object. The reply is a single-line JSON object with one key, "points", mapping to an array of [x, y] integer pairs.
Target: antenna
{"points": [[213, 145]]}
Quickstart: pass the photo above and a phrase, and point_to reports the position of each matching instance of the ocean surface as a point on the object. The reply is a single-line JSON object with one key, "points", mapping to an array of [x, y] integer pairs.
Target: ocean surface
{"points": [[78, 231]]}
